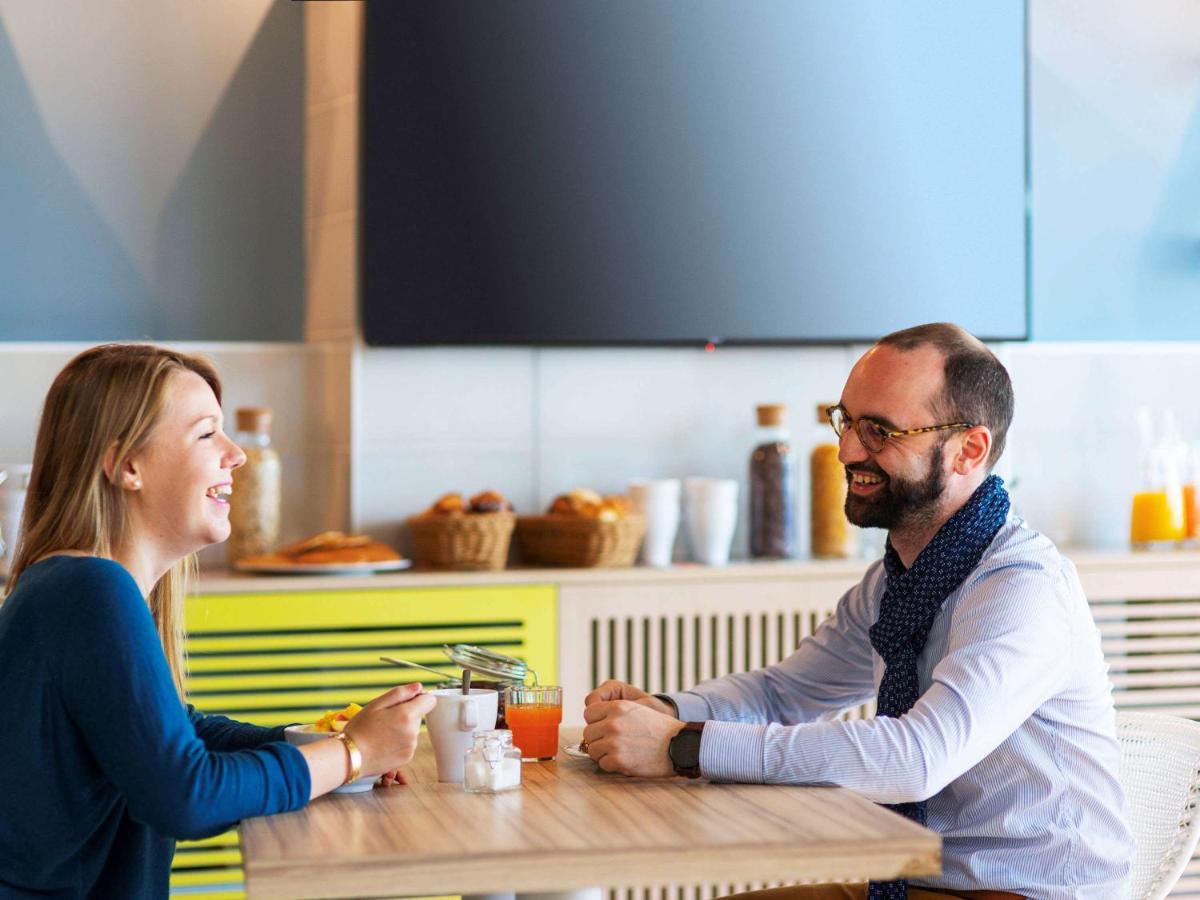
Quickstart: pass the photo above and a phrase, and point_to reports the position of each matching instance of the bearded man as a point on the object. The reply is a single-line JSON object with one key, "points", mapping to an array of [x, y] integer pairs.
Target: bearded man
{"points": [[995, 721]]}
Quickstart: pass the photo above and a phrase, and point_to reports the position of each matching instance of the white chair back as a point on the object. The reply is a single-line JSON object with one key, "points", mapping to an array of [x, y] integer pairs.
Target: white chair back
{"points": [[1160, 772]]}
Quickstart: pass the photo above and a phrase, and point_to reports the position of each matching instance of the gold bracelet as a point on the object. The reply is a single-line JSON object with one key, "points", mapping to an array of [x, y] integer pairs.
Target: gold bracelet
{"points": [[355, 756]]}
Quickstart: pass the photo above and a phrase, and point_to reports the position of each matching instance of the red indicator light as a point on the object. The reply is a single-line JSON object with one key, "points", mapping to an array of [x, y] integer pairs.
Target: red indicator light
{"points": [[710, 347]]}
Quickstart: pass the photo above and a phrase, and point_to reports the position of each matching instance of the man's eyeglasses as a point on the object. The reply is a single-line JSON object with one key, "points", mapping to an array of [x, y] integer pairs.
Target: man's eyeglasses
{"points": [[871, 434]]}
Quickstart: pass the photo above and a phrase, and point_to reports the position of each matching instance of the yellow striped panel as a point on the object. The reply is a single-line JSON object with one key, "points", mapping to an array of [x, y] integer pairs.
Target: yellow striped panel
{"points": [[208, 869], [278, 658], [206, 858], [225, 878], [430, 640], [225, 839], [371, 607], [301, 662], [384, 678]]}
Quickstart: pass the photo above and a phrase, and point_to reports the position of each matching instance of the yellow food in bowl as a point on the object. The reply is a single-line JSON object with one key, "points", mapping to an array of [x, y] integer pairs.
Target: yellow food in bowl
{"points": [[336, 719]]}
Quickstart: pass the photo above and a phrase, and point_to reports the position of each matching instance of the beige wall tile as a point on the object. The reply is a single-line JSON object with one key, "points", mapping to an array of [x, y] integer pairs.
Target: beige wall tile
{"points": [[331, 284], [333, 49], [329, 377], [422, 397], [331, 158]]}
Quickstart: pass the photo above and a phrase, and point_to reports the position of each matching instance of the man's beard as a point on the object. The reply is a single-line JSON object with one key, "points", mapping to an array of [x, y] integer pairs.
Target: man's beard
{"points": [[899, 502]]}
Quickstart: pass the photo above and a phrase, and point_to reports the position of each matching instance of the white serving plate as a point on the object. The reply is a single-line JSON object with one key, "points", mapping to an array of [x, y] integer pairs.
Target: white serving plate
{"points": [[360, 568]]}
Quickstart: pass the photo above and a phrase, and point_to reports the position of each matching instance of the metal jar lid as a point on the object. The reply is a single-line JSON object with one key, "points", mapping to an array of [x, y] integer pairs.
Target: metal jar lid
{"points": [[488, 662]]}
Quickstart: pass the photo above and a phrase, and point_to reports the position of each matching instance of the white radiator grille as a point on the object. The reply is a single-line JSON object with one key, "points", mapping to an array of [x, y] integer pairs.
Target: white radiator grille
{"points": [[671, 653]]}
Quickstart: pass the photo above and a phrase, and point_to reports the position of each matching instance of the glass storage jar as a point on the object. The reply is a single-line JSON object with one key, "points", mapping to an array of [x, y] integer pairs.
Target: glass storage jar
{"points": [[254, 504], [772, 487], [492, 764]]}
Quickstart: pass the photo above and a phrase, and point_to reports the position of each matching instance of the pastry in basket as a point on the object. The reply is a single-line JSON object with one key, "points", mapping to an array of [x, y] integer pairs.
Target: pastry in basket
{"points": [[489, 501], [587, 504], [327, 547], [464, 535], [452, 504], [446, 505]]}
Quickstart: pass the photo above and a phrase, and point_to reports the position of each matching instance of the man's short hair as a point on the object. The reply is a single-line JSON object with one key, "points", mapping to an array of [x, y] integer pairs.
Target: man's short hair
{"points": [[977, 388]]}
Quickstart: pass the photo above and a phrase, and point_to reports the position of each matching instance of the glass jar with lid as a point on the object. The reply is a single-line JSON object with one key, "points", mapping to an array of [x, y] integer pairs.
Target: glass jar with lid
{"points": [[498, 670], [772, 487], [254, 504], [831, 534], [492, 764]]}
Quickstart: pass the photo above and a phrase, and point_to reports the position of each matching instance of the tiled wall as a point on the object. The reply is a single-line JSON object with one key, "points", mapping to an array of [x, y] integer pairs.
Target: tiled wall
{"points": [[533, 423], [1075, 441]]}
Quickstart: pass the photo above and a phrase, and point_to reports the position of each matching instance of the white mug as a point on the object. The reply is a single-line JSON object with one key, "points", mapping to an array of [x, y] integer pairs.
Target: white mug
{"points": [[710, 512], [658, 502], [453, 723]]}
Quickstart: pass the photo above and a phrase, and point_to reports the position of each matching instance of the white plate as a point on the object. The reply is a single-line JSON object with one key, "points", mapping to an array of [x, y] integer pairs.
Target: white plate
{"points": [[360, 568]]}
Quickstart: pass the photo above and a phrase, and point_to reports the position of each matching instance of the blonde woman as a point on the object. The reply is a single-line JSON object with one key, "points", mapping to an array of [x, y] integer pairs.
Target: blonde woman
{"points": [[102, 764]]}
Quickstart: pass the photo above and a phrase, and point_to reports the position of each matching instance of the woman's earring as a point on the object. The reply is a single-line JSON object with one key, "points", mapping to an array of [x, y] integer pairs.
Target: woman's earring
{"points": [[137, 484]]}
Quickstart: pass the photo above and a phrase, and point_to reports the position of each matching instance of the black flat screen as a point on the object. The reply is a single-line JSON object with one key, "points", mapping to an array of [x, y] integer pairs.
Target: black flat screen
{"points": [[677, 171]]}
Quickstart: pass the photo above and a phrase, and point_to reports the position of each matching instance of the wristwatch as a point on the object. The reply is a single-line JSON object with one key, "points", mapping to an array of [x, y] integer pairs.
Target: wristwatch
{"points": [[684, 750]]}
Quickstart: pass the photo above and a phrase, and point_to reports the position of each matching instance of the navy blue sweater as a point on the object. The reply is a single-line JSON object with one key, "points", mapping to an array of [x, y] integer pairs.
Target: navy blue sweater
{"points": [[102, 767]]}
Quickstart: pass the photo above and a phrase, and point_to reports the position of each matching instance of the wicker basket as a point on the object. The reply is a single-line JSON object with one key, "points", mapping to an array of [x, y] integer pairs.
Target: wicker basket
{"points": [[474, 541], [579, 542]]}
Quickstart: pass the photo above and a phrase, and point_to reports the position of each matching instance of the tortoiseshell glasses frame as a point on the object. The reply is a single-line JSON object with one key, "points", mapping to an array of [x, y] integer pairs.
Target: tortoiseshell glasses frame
{"points": [[871, 434]]}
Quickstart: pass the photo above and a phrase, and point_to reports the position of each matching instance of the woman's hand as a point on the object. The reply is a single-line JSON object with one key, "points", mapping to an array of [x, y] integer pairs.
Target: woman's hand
{"points": [[396, 776], [386, 730]]}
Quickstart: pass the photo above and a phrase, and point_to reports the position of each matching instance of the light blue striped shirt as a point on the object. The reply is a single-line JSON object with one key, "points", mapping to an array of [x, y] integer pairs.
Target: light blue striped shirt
{"points": [[1012, 741]]}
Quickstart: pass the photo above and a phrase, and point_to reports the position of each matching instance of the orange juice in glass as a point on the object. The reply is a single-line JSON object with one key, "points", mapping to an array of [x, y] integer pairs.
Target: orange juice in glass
{"points": [[533, 715], [1157, 518]]}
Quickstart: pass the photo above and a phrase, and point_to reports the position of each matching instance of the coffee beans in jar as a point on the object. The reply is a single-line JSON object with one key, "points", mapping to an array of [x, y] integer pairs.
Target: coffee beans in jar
{"points": [[772, 487]]}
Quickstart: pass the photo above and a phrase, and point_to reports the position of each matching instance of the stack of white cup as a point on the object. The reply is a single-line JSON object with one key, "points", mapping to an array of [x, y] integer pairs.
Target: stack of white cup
{"points": [[657, 500], [710, 517], [711, 511]]}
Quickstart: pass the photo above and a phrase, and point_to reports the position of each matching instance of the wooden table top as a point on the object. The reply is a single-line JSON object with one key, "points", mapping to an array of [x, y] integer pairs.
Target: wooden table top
{"points": [[572, 826]]}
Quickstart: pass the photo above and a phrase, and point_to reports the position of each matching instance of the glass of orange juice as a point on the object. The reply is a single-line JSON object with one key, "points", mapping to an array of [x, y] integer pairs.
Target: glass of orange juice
{"points": [[533, 715]]}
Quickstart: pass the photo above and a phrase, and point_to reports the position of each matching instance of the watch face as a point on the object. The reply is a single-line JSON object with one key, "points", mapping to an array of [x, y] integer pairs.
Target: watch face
{"points": [[684, 749]]}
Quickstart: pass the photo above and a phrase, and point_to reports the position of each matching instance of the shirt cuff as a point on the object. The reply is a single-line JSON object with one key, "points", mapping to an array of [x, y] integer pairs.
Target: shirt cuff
{"points": [[733, 751], [690, 707]]}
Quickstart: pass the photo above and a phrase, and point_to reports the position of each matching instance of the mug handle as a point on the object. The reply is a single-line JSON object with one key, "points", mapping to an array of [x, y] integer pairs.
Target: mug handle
{"points": [[468, 716]]}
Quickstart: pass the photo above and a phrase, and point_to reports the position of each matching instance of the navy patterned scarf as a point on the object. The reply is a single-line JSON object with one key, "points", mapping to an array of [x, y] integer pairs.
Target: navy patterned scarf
{"points": [[911, 600]]}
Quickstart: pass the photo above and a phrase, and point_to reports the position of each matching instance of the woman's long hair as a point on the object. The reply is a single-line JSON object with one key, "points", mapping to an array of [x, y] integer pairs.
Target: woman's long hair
{"points": [[107, 398]]}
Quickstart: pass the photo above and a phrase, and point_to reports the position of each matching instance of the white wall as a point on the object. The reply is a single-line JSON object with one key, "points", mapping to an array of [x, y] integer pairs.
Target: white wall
{"points": [[1115, 169], [535, 423], [152, 170]]}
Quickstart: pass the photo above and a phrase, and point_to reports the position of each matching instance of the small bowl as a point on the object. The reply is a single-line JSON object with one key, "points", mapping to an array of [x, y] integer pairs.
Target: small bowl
{"points": [[307, 734]]}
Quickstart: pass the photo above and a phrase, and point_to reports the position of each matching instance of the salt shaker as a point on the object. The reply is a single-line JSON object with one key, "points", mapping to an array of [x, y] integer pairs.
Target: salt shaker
{"points": [[492, 764]]}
